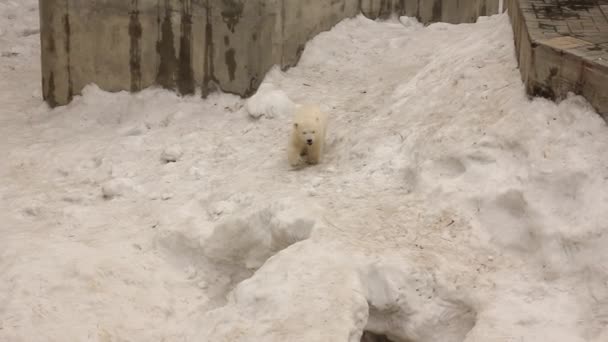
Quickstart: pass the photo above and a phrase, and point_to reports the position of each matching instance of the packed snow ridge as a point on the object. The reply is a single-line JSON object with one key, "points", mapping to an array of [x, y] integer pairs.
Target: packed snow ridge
{"points": [[449, 206]]}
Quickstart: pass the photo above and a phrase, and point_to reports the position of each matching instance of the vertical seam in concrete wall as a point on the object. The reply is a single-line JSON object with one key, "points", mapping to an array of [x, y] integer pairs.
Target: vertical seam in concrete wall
{"points": [[208, 61], [185, 73], [135, 33], [158, 37], [578, 86], [283, 62], [436, 11], [43, 30], [67, 31], [48, 52], [165, 47]]}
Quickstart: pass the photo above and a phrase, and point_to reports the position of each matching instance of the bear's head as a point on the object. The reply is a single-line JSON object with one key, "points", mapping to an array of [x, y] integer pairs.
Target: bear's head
{"points": [[307, 132]]}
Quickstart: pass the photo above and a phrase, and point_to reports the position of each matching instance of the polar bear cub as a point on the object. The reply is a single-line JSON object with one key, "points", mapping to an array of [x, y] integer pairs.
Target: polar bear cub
{"points": [[307, 136]]}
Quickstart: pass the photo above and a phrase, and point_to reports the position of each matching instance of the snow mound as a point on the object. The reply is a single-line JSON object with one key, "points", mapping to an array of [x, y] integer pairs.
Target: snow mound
{"points": [[410, 22], [117, 187], [454, 208], [408, 304], [171, 154], [249, 239], [270, 103], [225, 250], [276, 303], [344, 292]]}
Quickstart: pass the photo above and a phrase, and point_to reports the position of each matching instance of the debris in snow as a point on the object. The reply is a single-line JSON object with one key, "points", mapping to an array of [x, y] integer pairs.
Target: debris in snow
{"points": [[196, 172], [10, 54], [190, 272], [140, 129], [30, 32], [171, 154], [116, 187]]}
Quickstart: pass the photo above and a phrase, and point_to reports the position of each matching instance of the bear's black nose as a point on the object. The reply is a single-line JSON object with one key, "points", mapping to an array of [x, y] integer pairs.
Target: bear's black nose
{"points": [[309, 141]]}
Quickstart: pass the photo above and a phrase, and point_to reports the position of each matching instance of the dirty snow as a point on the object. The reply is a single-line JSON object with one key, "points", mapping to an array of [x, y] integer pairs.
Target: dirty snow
{"points": [[449, 206]]}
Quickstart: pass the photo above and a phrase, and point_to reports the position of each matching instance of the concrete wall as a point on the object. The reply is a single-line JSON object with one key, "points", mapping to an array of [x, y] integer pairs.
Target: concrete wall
{"points": [[428, 11], [211, 44], [552, 63]]}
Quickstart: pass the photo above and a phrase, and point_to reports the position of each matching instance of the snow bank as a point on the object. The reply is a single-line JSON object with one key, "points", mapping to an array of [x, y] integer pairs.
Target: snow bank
{"points": [[449, 206], [344, 293], [269, 102], [235, 237]]}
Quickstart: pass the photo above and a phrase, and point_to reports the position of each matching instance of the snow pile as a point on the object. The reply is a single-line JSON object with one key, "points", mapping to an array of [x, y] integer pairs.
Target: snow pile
{"points": [[449, 206], [270, 102], [243, 232], [116, 187], [171, 154], [407, 304], [346, 294]]}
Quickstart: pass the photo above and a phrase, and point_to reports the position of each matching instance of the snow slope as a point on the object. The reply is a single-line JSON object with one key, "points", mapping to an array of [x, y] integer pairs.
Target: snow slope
{"points": [[449, 206]]}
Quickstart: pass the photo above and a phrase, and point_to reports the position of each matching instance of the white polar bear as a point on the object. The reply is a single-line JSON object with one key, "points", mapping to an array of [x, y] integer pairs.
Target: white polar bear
{"points": [[307, 136]]}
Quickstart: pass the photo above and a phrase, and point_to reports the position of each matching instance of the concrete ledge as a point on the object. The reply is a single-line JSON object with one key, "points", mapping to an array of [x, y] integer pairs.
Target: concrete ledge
{"points": [[562, 46], [211, 44]]}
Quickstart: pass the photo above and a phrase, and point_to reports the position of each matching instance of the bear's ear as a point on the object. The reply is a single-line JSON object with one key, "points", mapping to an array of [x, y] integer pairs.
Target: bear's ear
{"points": [[295, 125]]}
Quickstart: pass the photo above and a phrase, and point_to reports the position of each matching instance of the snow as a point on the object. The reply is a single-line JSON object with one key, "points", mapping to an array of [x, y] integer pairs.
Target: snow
{"points": [[171, 154], [270, 102], [449, 206], [116, 187]]}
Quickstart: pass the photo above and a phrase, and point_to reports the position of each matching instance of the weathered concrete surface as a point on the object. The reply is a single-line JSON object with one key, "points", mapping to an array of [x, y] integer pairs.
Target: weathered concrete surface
{"points": [[211, 44], [562, 46], [429, 11]]}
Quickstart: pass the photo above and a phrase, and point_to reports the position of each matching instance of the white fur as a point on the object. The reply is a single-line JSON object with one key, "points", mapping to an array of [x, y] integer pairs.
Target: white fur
{"points": [[309, 125]]}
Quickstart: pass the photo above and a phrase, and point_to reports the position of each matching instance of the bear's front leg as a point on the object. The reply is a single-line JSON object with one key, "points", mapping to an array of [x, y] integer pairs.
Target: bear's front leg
{"points": [[293, 155], [314, 154]]}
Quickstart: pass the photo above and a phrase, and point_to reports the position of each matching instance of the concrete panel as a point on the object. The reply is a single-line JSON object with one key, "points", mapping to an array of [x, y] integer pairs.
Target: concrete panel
{"points": [[303, 20], [239, 45], [595, 87]]}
